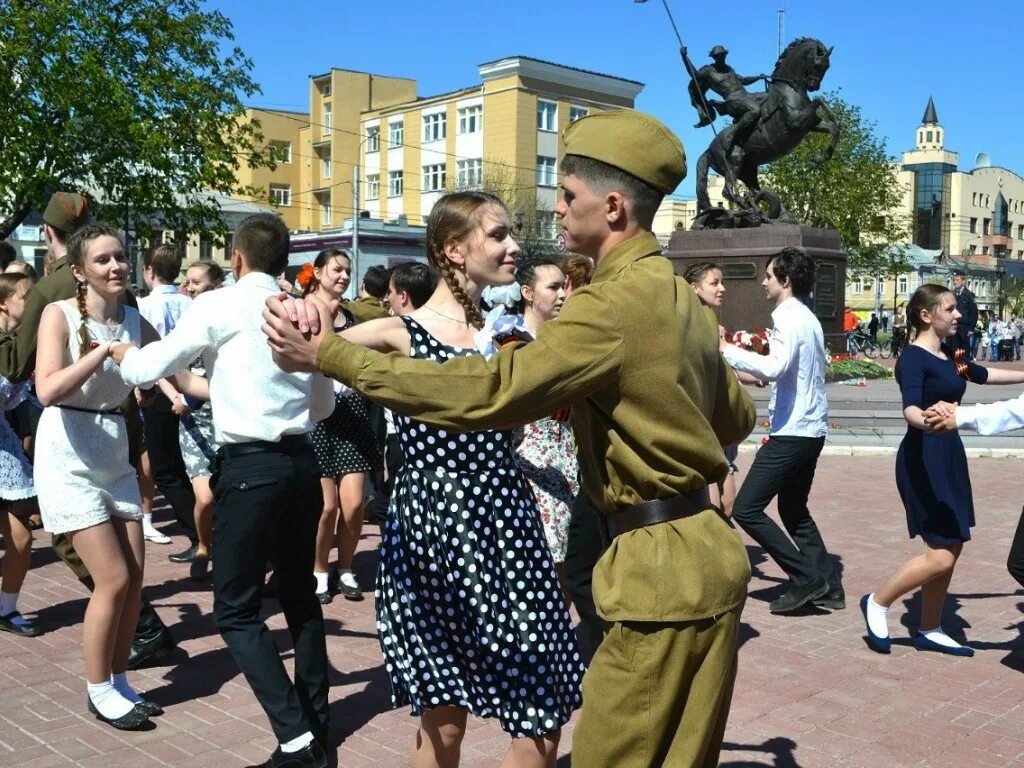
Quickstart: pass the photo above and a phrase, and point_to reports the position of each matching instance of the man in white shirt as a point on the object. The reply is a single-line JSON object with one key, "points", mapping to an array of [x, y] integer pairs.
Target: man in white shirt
{"points": [[986, 419], [784, 466], [162, 308], [266, 484]]}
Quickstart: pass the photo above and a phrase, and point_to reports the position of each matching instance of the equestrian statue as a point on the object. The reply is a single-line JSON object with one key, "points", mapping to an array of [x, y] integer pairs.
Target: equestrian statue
{"points": [[765, 126]]}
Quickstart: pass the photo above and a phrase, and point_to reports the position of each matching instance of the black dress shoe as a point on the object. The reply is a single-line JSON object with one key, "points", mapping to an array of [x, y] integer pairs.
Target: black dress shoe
{"points": [[325, 598], [184, 557], [150, 649], [339, 587], [311, 756], [135, 720], [798, 597], [150, 708], [834, 599], [25, 628], [199, 570]]}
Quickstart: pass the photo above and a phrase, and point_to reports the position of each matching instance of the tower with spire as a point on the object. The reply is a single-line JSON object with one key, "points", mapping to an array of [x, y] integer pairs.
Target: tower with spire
{"points": [[929, 134]]}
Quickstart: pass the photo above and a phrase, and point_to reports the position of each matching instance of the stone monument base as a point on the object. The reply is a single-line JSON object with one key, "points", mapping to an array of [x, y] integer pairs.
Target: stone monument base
{"points": [[742, 253]]}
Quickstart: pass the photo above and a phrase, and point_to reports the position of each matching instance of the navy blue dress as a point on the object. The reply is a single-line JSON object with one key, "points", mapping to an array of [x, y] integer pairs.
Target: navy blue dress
{"points": [[931, 469]]}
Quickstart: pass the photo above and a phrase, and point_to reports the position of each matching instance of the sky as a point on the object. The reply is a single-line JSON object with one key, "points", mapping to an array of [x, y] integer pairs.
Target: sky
{"points": [[889, 57]]}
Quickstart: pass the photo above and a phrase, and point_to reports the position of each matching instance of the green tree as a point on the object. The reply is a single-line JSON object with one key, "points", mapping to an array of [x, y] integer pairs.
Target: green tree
{"points": [[856, 192], [133, 102]]}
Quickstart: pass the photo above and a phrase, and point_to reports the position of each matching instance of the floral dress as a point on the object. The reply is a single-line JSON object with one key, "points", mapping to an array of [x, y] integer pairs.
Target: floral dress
{"points": [[546, 453], [15, 469]]}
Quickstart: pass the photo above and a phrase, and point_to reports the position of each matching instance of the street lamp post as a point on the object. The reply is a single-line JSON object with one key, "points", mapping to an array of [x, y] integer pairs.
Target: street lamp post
{"points": [[355, 220]]}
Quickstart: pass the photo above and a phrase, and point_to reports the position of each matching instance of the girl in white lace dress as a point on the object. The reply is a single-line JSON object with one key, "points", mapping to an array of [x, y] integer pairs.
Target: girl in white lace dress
{"points": [[86, 486]]}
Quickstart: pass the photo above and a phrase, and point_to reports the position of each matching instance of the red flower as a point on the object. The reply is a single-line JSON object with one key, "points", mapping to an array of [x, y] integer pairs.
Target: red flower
{"points": [[305, 275], [764, 441]]}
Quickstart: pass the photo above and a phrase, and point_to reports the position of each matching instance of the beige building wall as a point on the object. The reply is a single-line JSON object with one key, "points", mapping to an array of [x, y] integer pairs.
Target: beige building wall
{"points": [[281, 132]]}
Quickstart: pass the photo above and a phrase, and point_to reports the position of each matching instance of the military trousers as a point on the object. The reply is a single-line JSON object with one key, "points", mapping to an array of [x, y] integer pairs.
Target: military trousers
{"points": [[658, 694]]}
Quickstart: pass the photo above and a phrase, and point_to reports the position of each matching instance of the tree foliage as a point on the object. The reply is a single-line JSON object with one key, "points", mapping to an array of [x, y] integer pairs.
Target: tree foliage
{"points": [[856, 192], [131, 101]]}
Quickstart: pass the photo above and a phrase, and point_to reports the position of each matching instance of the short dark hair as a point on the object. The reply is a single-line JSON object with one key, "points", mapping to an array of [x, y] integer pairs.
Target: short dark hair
{"points": [[263, 240], [695, 272], [601, 178], [416, 279], [375, 280], [7, 254], [795, 264], [165, 261]]}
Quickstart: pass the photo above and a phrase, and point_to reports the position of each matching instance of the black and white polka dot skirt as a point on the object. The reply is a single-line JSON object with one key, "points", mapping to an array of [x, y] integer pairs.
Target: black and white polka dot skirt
{"points": [[344, 442]]}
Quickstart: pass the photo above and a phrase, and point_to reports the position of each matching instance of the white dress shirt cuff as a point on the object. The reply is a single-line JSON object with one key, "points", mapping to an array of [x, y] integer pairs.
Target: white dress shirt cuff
{"points": [[130, 370], [992, 418]]}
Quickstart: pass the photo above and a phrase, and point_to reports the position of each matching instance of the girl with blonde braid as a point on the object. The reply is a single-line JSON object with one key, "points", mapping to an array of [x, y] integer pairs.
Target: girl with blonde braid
{"points": [[86, 487], [469, 610]]}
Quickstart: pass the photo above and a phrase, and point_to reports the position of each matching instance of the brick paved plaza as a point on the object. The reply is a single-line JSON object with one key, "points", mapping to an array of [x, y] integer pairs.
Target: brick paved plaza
{"points": [[809, 693]]}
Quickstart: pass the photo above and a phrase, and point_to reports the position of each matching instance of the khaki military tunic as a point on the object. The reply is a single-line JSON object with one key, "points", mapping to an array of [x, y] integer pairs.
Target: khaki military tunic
{"points": [[365, 308], [636, 355]]}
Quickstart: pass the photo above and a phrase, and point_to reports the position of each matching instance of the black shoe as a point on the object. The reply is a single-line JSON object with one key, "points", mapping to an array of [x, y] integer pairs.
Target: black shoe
{"points": [[799, 596], [150, 649], [135, 720], [150, 708], [311, 756], [349, 593], [25, 628], [184, 557], [199, 570], [325, 598], [834, 599]]}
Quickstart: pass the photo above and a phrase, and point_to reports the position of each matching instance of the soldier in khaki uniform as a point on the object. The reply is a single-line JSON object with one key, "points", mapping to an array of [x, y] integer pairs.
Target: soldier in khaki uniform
{"points": [[637, 357]]}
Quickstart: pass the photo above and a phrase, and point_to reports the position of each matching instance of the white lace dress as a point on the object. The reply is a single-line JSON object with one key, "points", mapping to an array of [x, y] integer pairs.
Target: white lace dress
{"points": [[15, 469], [82, 472]]}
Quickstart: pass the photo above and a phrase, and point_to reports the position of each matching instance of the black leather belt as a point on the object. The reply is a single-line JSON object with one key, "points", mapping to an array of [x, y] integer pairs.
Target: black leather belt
{"points": [[107, 412], [290, 444], [653, 512]]}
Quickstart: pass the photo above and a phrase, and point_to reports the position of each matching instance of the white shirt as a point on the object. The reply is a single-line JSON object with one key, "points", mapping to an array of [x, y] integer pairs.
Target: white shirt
{"points": [[253, 399], [795, 364], [163, 307], [992, 418]]}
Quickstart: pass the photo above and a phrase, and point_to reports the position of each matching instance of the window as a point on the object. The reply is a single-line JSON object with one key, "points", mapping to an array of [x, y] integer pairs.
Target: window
{"points": [[396, 134], [396, 183], [281, 194], [927, 135], [469, 174], [325, 165], [545, 171], [901, 284], [471, 119], [575, 113], [281, 151], [986, 226], [326, 90], [434, 178], [974, 198], [547, 116], [858, 286], [974, 225], [328, 120], [973, 249], [984, 250], [372, 186], [547, 227], [435, 127], [373, 139], [325, 209], [1020, 231]]}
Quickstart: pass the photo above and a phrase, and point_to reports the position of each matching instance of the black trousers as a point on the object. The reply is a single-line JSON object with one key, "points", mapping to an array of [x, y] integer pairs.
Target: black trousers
{"points": [[1015, 562], [784, 467], [583, 550], [267, 506], [168, 467]]}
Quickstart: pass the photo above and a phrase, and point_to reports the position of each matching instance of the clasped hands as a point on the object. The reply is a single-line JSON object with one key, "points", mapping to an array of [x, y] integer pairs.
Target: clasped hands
{"points": [[940, 417], [295, 328]]}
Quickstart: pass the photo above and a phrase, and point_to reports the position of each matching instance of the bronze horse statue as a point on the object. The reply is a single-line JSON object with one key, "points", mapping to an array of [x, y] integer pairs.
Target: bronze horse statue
{"points": [[787, 114]]}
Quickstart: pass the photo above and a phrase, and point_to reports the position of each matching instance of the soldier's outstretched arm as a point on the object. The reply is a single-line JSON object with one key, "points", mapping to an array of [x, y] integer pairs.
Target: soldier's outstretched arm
{"points": [[569, 359]]}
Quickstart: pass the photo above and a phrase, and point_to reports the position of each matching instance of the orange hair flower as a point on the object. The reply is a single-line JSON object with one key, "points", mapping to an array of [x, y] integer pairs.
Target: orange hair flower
{"points": [[305, 275]]}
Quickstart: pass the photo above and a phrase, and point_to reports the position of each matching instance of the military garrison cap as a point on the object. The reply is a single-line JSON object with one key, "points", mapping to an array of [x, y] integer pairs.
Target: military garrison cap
{"points": [[66, 211], [631, 141]]}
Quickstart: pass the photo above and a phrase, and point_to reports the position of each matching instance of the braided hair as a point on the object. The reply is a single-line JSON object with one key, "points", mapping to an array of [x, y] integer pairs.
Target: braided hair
{"points": [[454, 217], [76, 257]]}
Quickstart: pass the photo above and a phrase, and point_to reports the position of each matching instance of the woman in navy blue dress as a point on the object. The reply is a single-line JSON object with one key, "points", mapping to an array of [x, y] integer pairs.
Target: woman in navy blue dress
{"points": [[931, 472]]}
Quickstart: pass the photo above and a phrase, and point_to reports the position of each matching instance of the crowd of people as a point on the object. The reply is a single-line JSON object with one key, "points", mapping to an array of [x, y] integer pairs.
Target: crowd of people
{"points": [[537, 447]]}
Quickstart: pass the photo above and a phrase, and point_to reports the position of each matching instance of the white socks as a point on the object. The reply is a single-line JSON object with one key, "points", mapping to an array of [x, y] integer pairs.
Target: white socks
{"points": [[939, 637], [321, 585], [120, 682], [877, 616], [299, 742], [346, 577], [108, 700], [9, 604]]}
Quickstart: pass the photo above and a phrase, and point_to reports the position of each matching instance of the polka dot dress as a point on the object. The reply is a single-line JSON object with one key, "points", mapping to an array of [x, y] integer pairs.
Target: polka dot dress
{"points": [[469, 609], [344, 442]]}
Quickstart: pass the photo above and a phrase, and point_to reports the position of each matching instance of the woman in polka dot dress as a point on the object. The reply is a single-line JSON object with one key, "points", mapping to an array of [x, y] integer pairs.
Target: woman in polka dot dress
{"points": [[470, 614], [345, 447]]}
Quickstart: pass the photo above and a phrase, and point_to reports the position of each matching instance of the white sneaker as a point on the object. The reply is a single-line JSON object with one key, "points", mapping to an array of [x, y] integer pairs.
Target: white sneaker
{"points": [[152, 534]]}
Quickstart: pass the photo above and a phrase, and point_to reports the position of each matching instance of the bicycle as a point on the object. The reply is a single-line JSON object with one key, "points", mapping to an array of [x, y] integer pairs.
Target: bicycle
{"points": [[858, 342]]}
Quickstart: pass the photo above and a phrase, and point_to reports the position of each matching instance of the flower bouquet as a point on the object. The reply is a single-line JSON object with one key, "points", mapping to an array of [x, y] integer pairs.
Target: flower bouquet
{"points": [[752, 341]]}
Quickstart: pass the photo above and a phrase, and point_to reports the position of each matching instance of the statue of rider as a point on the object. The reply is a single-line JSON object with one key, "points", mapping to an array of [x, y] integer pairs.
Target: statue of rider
{"points": [[738, 103]]}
